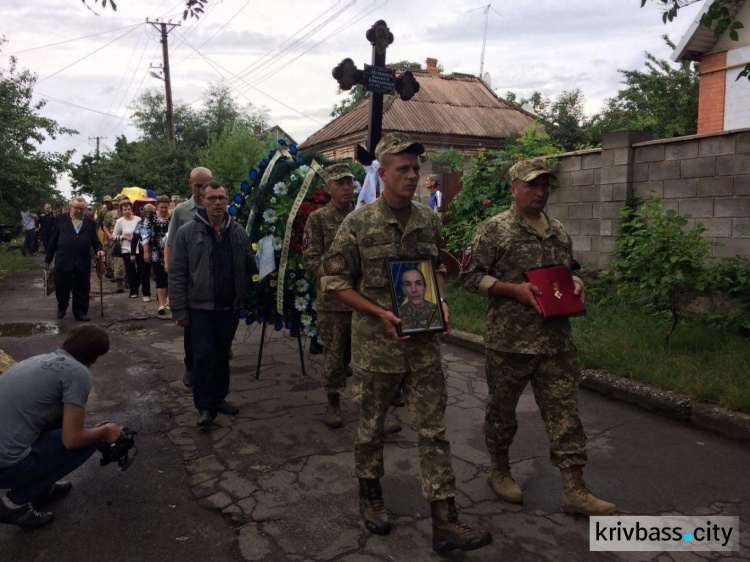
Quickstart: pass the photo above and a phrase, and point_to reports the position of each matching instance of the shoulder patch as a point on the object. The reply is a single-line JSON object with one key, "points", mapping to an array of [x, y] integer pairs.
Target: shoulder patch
{"points": [[353, 235], [335, 264], [468, 254]]}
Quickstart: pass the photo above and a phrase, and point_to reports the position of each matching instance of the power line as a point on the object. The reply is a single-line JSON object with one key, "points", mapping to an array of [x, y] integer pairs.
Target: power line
{"points": [[212, 63], [362, 14], [69, 40], [122, 80], [50, 98], [258, 64], [87, 56]]}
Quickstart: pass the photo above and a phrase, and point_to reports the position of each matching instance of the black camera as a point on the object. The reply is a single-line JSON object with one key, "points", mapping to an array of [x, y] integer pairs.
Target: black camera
{"points": [[118, 451]]}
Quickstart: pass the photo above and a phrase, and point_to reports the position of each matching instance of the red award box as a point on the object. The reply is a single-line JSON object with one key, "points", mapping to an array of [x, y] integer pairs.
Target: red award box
{"points": [[556, 284]]}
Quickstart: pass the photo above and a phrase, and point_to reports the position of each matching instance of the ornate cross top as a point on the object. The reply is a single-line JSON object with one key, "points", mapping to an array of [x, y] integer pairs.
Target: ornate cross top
{"points": [[378, 80]]}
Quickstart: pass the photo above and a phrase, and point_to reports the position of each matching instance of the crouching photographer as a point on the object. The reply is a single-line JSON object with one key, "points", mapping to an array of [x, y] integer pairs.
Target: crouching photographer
{"points": [[42, 431]]}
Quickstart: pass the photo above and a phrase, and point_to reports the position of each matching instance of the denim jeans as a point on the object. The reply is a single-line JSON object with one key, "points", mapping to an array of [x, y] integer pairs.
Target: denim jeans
{"points": [[212, 333], [29, 242], [47, 462]]}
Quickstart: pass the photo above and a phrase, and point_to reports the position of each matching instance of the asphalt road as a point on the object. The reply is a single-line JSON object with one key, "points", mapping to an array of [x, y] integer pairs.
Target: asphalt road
{"points": [[145, 513]]}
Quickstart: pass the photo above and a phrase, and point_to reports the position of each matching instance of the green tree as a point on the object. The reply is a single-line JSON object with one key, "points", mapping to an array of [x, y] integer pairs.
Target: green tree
{"points": [[150, 162], [562, 117], [232, 154], [449, 156], [28, 176], [661, 262], [663, 98]]}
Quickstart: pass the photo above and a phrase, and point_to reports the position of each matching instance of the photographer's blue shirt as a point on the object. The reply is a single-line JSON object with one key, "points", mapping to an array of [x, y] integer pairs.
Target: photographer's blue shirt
{"points": [[32, 394]]}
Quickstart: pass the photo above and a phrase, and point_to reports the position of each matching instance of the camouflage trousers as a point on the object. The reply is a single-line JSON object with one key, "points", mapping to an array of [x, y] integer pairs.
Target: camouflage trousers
{"points": [[426, 398], [115, 264], [554, 380], [335, 328]]}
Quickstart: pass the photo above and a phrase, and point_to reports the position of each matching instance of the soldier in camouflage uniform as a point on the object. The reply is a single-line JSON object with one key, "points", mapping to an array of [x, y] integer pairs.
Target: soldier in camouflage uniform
{"points": [[108, 225], [334, 318], [106, 208], [522, 346], [355, 265]]}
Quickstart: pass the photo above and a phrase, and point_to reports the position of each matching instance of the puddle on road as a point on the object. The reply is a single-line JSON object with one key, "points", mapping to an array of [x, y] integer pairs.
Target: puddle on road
{"points": [[26, 329]]}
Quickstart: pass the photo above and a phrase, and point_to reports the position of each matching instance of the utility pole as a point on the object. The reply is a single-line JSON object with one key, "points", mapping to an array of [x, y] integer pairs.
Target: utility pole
{"points": [[97, 139], [164, 29]]}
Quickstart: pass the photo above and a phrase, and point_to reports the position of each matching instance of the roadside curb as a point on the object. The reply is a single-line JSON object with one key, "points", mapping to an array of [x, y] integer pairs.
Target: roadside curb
{"points": [[709, 417]]}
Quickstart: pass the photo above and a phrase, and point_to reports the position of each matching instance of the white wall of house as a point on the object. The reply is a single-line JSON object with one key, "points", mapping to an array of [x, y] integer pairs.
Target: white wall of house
{"points": [[737, 94]]}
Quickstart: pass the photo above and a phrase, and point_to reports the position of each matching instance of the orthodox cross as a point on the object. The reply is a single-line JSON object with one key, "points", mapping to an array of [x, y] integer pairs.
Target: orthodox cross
{"points": [[378, 80]]}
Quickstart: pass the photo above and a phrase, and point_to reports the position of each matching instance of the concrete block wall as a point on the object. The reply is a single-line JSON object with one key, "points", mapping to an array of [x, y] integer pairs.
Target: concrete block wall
{"points": [[705, 176]]}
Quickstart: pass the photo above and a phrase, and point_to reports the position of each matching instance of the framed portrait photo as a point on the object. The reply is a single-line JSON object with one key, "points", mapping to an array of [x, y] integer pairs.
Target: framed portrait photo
{"points": [[414, 295]]}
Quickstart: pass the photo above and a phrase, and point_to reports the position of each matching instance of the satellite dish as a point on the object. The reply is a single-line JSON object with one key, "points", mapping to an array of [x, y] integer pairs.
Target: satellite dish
{"points": [[487, 79]]}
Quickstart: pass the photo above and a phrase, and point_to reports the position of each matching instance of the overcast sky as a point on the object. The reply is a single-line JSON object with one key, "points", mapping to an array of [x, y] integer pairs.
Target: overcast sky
{"points": [[279, 55]]}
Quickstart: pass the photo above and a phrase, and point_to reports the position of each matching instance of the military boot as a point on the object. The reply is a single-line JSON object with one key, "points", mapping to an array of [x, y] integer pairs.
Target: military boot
{"points": [[391, 427], [372, 508], [333, 411], [501, 480], [578, 499], [449, 532], [120, 286]]}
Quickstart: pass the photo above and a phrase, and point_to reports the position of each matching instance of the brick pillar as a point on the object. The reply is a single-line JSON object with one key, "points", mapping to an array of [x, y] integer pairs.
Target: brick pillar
{"points": [[711, 94], [432, 66], [615, 186]]}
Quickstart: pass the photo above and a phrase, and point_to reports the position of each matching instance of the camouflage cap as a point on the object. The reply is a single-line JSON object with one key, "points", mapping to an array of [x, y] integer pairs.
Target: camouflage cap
{"points": [[338, 171], [396, 143], [107, 198], [527, 170], [175, 197]]}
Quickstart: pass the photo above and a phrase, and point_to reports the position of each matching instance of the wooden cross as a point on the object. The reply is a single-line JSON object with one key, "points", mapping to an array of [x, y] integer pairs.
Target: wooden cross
{"points": [[378, 80]]}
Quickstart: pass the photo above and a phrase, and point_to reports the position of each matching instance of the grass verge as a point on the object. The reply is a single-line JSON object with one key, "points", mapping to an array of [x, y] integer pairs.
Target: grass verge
{"points": [[706, 363], [11, 260]]}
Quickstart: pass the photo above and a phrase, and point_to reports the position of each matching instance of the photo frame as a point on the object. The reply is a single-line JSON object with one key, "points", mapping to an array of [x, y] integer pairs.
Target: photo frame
{"points": [[414, 295]]}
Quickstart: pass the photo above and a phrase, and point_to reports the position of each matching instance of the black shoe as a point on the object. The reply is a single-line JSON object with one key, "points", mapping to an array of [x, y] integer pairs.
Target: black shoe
{"points": [[205, 418], [83, 318], [187, 378], [109, 275], [23, 516], [315, 347], [60, 314], [55, 492], [226, 408]]}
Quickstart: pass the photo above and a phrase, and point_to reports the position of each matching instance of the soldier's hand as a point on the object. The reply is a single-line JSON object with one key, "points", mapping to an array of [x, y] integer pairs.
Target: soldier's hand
{"points": [[579, 291], [524, 294], [390, 321], [447, 315]]}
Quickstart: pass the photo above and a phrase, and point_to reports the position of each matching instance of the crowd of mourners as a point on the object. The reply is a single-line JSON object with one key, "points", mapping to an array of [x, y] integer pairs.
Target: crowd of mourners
{"points": [[131, 233]]}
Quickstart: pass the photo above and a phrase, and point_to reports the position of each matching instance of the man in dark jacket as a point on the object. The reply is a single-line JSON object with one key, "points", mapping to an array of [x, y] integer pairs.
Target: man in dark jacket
{"points": [[209, 275], [70, 243]]}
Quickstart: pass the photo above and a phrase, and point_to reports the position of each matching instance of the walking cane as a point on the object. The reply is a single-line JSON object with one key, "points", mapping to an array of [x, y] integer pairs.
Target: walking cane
{"points": [[100, 270]]}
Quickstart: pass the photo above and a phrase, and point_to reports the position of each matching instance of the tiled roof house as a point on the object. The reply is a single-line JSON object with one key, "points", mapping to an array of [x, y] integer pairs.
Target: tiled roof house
{"points": [[454, 110]]}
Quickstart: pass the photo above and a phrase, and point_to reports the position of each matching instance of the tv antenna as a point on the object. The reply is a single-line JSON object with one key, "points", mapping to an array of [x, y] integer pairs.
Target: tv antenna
{"points": [[486, 9]]}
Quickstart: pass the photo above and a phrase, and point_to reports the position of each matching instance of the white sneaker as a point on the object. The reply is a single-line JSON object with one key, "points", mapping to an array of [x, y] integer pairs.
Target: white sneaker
{"points": [[146, 299]]}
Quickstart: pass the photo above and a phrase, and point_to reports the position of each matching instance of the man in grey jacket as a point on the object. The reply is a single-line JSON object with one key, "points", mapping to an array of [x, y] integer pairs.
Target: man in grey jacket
{"points": [[209, 276]]}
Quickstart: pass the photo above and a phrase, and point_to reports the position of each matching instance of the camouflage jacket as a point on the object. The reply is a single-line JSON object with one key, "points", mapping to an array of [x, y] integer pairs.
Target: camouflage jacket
{"points": [[110, 219], [417, 317], [320, 230], [502, 249], [356, 260]]}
